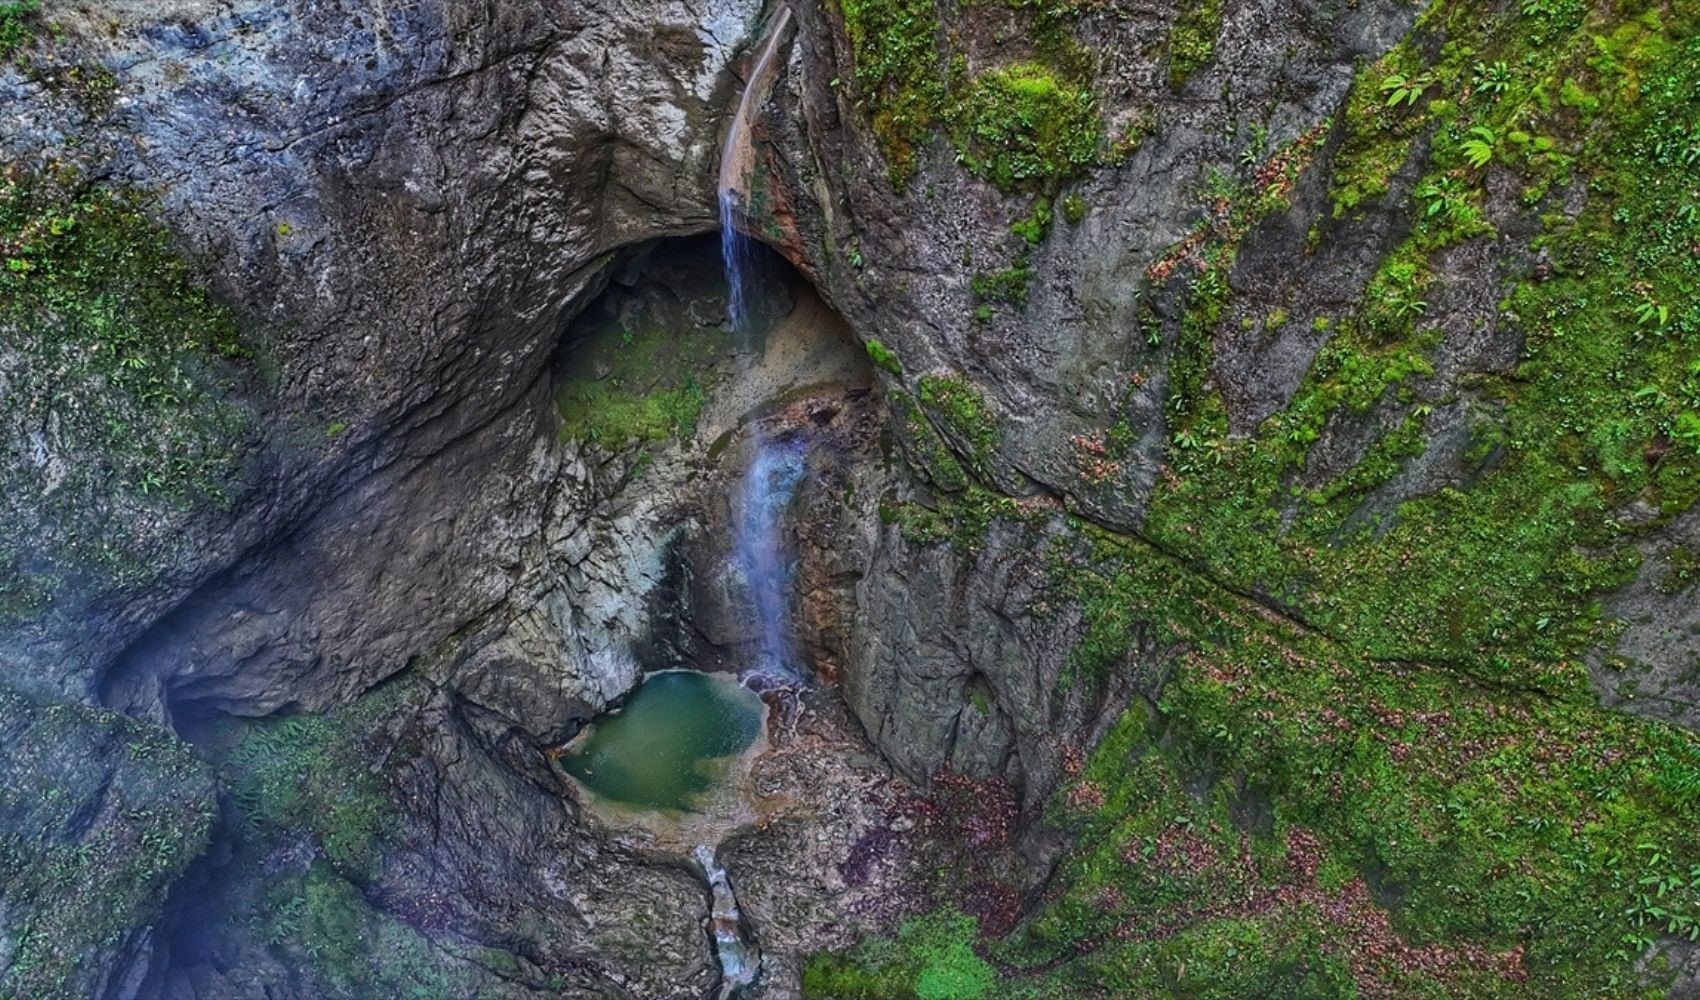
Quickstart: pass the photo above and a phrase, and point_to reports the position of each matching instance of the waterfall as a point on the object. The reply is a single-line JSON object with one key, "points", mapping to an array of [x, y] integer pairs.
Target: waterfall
{"points": [[768, 485], [773, 474], [739, 960], [776, 466], [736, 160]]}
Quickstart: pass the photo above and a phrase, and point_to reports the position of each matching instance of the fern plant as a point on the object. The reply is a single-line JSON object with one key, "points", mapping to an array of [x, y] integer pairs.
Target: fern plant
{"points": [[1492, 78], [1479, 146], [1652, 314]]}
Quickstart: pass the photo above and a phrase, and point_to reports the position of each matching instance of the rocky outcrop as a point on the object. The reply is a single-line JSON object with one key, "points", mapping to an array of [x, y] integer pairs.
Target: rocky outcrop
{"points": [[99, 815], [949, 664], [411, 203]]}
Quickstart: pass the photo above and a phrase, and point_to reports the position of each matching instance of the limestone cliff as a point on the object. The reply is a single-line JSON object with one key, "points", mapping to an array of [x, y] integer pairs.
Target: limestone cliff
{"points": [[1249, 442]]}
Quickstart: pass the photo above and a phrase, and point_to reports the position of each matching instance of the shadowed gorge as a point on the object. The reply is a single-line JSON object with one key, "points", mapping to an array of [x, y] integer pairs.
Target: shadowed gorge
{"points": [[865, 501]]}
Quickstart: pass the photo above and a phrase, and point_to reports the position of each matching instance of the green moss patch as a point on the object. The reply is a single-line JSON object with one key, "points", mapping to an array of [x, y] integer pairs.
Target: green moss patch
{"points": [[638, 386], [1192, 39], [898, 79], [962, 413], [1293, 818], [1022, 126], [1028, 125], [930, 958], [121, 368], [1499, 579]]}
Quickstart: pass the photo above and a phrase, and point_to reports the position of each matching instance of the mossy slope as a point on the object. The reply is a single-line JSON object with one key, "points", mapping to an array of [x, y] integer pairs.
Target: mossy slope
{"points": [[1378, 765]]}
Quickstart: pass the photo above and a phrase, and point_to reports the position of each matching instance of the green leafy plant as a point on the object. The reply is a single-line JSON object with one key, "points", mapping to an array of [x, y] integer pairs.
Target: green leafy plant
{"points": [[16, 24], [1652, 314], [1478, 147], [1685, 429], [1035, 225], [1073, 209], [1403, 89], [1492, 78]]}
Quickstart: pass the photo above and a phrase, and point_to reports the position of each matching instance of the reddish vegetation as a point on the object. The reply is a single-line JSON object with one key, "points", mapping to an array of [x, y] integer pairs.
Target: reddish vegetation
{"points": [[1359, 930], [1230, 219], [869, 848], [1091, 456], [964, 831]]}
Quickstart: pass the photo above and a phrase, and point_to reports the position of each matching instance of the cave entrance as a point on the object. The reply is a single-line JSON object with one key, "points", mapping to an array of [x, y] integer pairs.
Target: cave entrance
{"points": [[654, 357], [719, 451]]}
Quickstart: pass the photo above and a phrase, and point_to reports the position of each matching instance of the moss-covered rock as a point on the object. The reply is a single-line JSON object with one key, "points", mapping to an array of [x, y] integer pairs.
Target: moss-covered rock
{"points": [[99, 815], [121, 378]]}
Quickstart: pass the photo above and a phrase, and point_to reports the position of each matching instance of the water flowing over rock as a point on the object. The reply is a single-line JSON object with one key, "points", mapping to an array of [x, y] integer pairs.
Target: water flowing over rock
{"points": [[739, 960]]}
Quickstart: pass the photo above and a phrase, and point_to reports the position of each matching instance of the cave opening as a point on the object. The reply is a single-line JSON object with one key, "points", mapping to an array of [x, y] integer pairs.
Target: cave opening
{"points": [[713, 433], [605, 515], [717, 396], [715, 427]]}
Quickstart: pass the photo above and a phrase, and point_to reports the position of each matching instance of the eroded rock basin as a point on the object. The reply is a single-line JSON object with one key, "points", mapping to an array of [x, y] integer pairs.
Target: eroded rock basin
{"points": [[677, 746]]}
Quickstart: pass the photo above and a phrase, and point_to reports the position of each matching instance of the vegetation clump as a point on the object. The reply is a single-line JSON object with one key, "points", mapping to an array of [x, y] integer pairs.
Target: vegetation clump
{"points": [[1028, 125], [930, 958], [963, 415], [1192, 39], [317, 773], [898, 82], [1023, 127], [123, 365], [883, 357], [324, 923], [17, 24]]}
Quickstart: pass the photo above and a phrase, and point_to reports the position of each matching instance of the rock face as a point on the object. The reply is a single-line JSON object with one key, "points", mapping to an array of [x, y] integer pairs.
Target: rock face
{"points": [[474, 450], [964, 678], [411, 202]]}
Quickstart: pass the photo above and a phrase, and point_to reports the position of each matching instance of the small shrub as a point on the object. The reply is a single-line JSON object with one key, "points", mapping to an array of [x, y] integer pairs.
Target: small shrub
{"points": [[1073, 209], [1008, 286], [1033, 228], [1192, 41], [16, 25], [1406, 90]]}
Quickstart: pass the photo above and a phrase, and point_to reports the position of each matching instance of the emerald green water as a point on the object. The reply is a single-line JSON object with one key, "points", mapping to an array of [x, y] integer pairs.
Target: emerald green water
{"points": [[672, 740]]}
